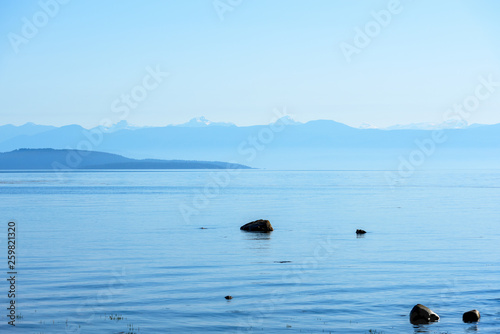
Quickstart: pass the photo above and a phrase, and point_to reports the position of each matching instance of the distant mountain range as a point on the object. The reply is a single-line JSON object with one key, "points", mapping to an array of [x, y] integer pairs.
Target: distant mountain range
{"points": [[451, 124], [286, 144], [10, 131], [50, 159]]}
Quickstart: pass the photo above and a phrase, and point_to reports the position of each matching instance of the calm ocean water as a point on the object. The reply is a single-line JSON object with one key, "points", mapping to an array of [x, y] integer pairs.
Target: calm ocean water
{"points": [[111, 252]]}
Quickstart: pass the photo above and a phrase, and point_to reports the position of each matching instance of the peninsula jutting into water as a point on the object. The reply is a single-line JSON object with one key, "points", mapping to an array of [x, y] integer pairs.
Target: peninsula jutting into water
{"points": [[26, 159]]}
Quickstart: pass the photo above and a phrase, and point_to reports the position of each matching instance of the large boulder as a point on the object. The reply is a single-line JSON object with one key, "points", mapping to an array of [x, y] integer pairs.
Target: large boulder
{"points": [[471, 316], [260, 225], [421, 314]]}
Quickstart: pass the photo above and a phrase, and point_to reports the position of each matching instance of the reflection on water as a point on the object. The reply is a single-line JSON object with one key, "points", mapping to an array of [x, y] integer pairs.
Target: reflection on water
{"points": [[430, 329], [421, 329], [256, 235], [257, 240], [472, 328]]}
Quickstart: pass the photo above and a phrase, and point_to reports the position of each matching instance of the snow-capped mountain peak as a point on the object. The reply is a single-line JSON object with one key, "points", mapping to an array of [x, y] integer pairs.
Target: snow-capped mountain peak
{"points": [[202, 121], [367, 126]]}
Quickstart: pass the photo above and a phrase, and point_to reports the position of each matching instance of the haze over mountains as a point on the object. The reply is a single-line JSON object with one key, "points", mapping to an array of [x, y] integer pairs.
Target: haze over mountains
{"points": [[285, 144], [451, 124]]}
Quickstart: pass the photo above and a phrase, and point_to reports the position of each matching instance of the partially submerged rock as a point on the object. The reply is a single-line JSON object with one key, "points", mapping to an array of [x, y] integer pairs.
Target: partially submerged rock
{"points": [[229, 297], [471, 316], [421, 314], [260, 225], [358, 231]]}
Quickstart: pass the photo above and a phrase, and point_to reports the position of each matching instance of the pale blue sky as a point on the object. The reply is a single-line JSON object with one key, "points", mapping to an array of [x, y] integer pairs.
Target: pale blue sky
{"points": [[264, 54]]}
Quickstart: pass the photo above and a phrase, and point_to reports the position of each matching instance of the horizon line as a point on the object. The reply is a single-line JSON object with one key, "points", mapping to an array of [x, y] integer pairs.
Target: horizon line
{"points": [[362, 126]]}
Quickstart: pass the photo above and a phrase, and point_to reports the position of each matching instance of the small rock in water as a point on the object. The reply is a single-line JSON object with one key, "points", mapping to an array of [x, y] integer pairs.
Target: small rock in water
{"points": [[229, 297], [421, 314], [471, 316], [260, 225], [282, 261], [358, 231], [203, 228]]}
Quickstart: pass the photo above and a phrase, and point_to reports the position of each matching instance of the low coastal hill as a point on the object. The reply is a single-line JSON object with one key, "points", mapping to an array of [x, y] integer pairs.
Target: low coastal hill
{"points": [[27, 159]]}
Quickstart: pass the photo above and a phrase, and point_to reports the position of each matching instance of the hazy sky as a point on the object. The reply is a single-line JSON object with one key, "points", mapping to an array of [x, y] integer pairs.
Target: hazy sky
{"points": [[237, 60]]}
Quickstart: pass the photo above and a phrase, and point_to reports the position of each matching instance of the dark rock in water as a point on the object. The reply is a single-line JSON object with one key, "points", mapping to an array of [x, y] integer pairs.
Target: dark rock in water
{"points": [[471, 316], [203, 228], [360, 231], [282, 261], [260, 225], [229, 297], [421, 314]]}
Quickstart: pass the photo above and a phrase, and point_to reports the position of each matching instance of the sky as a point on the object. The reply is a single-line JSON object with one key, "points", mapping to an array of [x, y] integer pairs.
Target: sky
{"points": [[159, 62]]}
